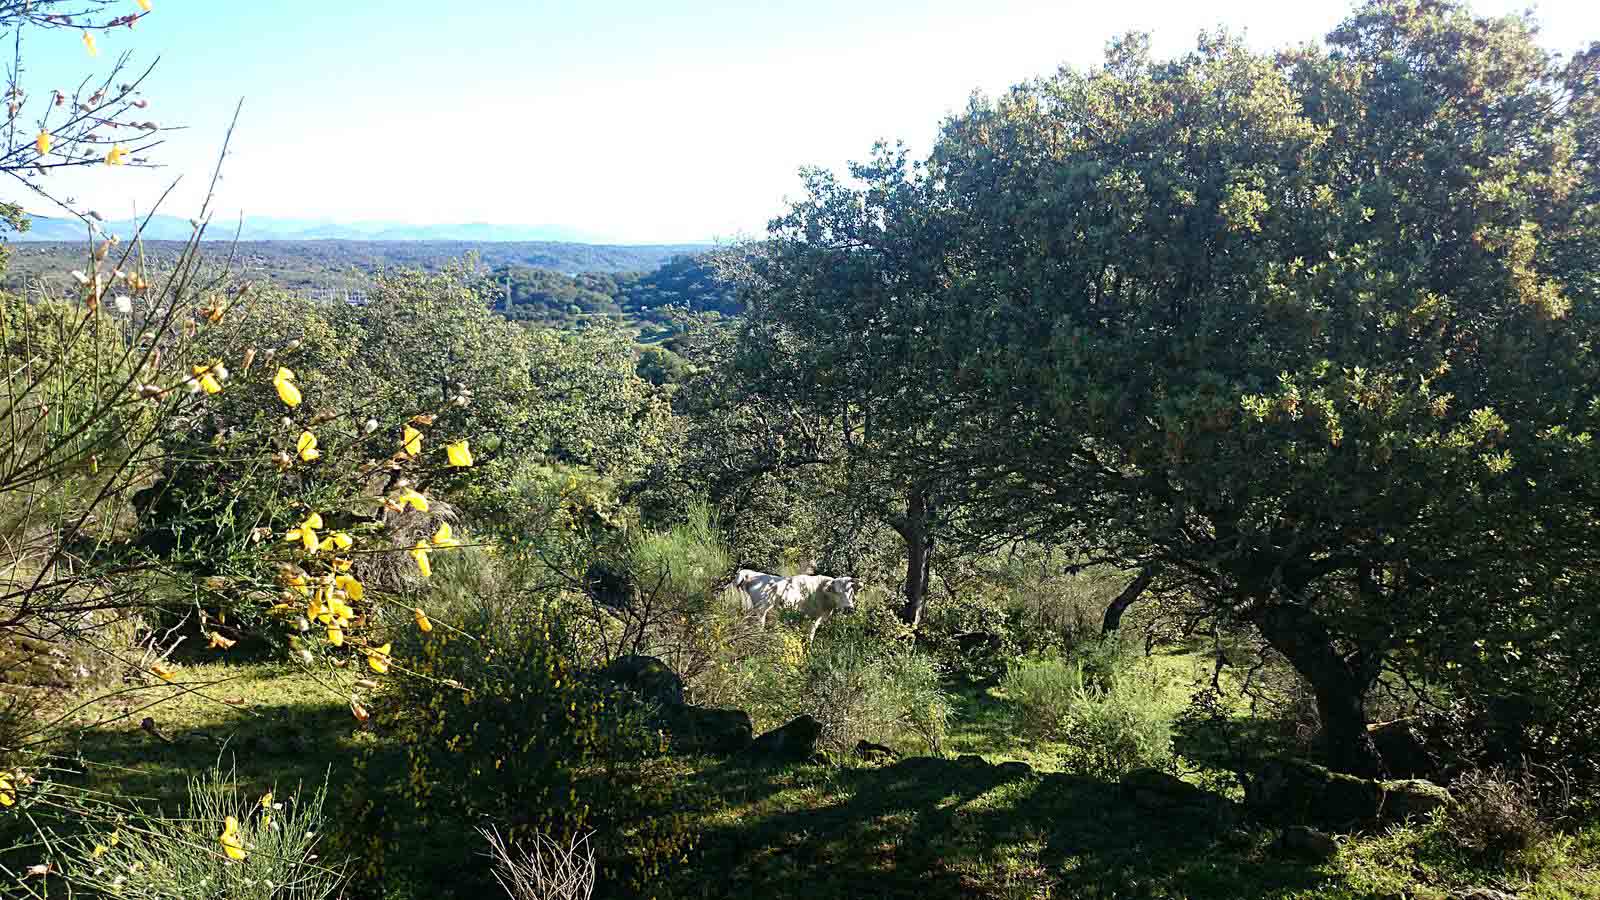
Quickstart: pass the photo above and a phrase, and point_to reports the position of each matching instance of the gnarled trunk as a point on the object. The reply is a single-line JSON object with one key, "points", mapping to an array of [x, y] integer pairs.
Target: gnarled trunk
{"points": [[1129, 595], [1340, 684]]}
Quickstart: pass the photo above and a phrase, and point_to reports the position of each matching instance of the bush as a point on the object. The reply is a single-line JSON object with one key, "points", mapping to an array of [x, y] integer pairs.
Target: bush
{"points": [[1113, 722], [1495, 815], [506, 727], [858, 684]]}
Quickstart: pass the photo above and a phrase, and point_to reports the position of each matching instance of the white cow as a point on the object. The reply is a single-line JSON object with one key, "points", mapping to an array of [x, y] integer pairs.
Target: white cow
{"points": [[818, 596]]}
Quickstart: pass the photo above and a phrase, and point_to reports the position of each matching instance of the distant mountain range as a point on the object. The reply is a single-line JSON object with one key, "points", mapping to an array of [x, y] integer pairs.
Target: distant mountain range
{"points": [[255, 228]]}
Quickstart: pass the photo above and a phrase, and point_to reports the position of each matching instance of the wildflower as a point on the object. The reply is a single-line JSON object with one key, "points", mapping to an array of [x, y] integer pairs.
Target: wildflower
{"points": [[420, 554], [99, 851], [231, 844], [88, 44], [336, 635], [163, 670], [8, 789], [459, 453], [413, 499], [116, 156], [370, 426], [444, 538], [338, 540], [144, 5], [423, 624], [123, 304], [307, 446], [306, 532], [379, 659], [282, 460], [411, 443], [351, 587], [208, 378], [42, 143], [218, 642], [266, 800], [287, 392]]}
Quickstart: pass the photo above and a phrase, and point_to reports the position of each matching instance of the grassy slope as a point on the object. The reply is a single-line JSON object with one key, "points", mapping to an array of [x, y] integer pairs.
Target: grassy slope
{"points": [[920, 828]]}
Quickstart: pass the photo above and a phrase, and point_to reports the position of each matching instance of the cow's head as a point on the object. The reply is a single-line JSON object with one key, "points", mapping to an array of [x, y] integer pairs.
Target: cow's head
{"points": [[844, 593]]}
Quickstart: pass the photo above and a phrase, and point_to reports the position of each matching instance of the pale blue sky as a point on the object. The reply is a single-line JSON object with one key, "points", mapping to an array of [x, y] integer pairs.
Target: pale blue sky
{"points": [[634, 120]]}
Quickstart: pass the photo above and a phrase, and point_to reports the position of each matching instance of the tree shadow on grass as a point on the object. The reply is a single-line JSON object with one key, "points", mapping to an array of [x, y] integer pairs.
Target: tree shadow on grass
{"points": [[927, 828]]}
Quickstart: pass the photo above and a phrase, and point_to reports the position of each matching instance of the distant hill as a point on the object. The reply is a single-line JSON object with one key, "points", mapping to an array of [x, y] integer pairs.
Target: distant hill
{"points": [[258, 228], [347, 265]]}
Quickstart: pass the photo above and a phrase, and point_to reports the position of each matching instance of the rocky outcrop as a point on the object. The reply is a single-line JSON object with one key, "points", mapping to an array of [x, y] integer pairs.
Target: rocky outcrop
{"points": [[1302, 792], [706, 729], [1308, 843], [1155, 789]]}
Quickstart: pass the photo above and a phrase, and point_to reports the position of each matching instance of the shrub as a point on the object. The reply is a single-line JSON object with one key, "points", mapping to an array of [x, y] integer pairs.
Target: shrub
{"points": [[1112, 722], [506, 727], [857, 683], [185, 857], [1495, 814]]}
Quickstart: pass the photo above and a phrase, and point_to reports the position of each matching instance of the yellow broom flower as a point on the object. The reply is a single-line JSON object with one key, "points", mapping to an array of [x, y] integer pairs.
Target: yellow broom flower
{"points": [[163, 670], [117, 156], [306, 532], [420, 554], [351, 587], [287, 391], [336, 635], [411, 442], [231, 844], [307, 446], [413, 499], [444, 537], [8, 790], [42, 143], [379, 659], [206, 377], [338, 540], [144, 5], [218, 642], [459, 453], [423, 624], [88, 44]]}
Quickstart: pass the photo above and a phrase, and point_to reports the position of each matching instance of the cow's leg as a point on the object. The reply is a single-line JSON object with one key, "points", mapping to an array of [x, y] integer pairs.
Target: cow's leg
{"points": [[814, 626]]}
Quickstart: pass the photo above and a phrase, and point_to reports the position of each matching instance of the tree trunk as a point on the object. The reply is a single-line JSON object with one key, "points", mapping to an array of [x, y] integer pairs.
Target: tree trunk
{"points": [[1340, 684], [1129, 595], [919, 557]]}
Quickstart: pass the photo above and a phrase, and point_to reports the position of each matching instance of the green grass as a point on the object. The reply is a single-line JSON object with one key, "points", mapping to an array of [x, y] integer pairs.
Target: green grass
{"points": [[920, 828]]}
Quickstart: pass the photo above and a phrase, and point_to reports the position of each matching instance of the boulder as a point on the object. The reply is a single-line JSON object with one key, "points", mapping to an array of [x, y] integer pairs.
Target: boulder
{"points": [[1308, 843], [646, 676], [971, 759], [869, 750], [1014, 769], [705, 729], [1300, 791], [795, 741], [1155, 789]]}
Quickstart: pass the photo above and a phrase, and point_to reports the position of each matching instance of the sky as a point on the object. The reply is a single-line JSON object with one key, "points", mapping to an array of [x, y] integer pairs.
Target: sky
{"points": [[631, 121]]}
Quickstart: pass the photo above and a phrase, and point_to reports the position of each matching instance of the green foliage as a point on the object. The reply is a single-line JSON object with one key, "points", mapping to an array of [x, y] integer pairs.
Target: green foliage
{"points": [[1202, 308], [1113, 717], [857, 680], [499, 724], [146, 857]]}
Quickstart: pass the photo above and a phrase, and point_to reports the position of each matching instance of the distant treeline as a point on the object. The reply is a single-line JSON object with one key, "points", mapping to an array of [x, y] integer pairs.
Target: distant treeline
{"points": [[345, 265], [540, 295]]}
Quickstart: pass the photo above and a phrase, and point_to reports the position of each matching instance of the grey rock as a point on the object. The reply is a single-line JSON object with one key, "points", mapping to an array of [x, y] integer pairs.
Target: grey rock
{"points": [[1299, 791], [1015, 769], [705, 729], [795, 741], [648, 677], [1309, 843]]}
